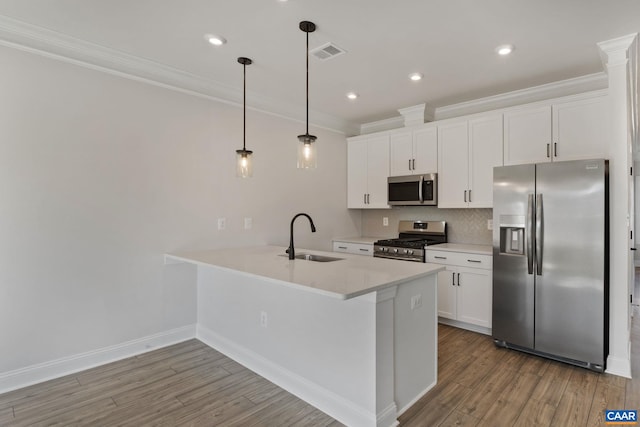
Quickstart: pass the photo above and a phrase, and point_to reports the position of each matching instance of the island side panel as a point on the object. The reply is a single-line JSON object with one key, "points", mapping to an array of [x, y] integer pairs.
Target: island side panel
{"points": [[325, 344], [416, 340]]}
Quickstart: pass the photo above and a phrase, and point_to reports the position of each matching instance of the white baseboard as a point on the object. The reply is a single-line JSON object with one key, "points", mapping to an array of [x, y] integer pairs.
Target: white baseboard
{"points": [[327, 401], [618, 366], [418, 397], [464, 325], [34, 374]]}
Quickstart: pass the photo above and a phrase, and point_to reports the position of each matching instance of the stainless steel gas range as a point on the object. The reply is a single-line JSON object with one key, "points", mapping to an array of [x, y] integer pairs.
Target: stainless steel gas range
{"points": [[414, 236]]}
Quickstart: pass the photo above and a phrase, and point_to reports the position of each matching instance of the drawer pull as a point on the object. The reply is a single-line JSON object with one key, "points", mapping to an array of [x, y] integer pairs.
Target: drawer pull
{"points": [[364, 250], [474, 260], [440, 257], [342, 247]]}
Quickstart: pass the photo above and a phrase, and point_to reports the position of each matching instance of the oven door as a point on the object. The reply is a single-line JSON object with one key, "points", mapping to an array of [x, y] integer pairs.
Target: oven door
{"points": [[413, 190]]}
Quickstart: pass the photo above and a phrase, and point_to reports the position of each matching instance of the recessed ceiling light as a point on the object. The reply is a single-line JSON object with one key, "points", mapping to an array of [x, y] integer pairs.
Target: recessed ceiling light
{"points": [[352, 95], [215, 39], [505, 49], [415, 76]]}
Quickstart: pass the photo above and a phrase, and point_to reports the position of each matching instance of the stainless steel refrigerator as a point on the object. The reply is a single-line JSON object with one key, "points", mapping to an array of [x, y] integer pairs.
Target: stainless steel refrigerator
{"points": [[551, 260]]}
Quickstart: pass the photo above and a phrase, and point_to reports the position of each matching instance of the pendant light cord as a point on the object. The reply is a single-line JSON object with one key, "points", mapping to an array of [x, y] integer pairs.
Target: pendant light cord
{"points": [[244, 107], [307, 83]]}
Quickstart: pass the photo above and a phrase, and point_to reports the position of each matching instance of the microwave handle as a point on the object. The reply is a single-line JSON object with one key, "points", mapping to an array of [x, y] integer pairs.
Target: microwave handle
{"points": [[420, 190]]}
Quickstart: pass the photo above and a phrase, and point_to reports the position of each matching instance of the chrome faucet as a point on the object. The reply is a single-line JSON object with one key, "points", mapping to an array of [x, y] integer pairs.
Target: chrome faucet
{"points": [[290, 250]]}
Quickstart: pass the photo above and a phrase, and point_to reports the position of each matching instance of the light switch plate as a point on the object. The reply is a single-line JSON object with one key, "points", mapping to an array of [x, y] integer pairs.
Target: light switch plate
{"points": [[385, 221]]}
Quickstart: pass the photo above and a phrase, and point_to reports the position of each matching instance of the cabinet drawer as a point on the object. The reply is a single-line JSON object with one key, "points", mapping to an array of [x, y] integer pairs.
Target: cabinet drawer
{"points": [[461, 259], [353, 248]]}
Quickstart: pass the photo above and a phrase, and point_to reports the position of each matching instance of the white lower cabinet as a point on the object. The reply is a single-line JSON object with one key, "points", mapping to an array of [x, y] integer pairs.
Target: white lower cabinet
{"points": [[464, 289], [353, 248]]}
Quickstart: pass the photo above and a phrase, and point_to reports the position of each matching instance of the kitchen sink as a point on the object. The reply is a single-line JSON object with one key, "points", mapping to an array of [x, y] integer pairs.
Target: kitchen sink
{"points": [[316, 258]]}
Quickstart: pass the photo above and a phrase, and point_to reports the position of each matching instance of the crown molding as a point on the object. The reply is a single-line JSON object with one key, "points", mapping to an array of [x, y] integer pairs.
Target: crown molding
{"points": [[563, 88], [51, 44], [615, 51], [567, 87], [380, 125]]}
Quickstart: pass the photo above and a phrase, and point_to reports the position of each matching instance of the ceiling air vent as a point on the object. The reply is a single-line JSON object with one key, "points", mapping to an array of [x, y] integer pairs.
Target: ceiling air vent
{"points": [[327, 51]]}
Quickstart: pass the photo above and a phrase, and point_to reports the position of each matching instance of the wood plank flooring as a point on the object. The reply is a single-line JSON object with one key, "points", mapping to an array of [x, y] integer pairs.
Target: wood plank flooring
{"points": [[190, 384], [483, 385]]}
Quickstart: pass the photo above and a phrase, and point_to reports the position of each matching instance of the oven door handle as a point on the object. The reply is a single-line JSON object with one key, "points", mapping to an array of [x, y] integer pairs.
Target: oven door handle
{"points": [[420, 197]]}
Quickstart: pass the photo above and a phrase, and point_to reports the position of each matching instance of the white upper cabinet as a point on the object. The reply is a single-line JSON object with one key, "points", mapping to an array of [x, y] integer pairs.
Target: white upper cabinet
{"points": [[527, 135], [568, 130], [485, 153], [414, 152], [468, 151], [579, 129], [453, 164], [367, 172]]}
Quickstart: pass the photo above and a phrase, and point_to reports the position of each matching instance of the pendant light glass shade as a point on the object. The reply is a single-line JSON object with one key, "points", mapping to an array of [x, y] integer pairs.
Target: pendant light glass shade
{"points": [[244, 163], [244, 158], [307, 143], [307, 152]]}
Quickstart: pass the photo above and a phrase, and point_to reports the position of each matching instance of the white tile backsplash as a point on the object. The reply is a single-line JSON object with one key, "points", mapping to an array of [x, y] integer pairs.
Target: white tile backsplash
{"points": [[463, 225]]}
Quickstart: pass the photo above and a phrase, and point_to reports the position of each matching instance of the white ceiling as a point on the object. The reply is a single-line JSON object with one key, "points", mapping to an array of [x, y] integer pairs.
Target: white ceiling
{"points": [[451, 42]]}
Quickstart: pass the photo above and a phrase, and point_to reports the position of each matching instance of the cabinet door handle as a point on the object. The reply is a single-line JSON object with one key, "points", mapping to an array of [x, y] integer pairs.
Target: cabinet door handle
{"points": [[555, 149], [469, 196], [409, 164], [473, 260], [465, 196], [414, 164], [440, 257], [368, 198], [453, 279], [458, 279], [364, 195], [548, 150]]}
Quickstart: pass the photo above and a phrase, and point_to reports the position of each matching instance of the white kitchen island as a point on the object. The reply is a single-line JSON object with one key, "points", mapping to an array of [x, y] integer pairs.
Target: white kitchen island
{"points": [[356, 337]]}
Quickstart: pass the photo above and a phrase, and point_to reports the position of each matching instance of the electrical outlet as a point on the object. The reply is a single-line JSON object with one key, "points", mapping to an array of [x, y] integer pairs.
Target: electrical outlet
{"points": [[222, 223], [248, 223], [264, 319], [489, 224], [385, 221], [416, 301]]}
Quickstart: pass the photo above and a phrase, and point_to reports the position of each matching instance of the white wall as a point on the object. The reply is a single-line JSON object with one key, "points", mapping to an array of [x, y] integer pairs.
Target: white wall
{"points": [[101, 175]]}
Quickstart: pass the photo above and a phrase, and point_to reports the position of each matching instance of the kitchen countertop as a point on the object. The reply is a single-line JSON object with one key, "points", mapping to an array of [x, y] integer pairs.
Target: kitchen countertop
{"points": [[362, 240], [461, 247], [352, 276]]}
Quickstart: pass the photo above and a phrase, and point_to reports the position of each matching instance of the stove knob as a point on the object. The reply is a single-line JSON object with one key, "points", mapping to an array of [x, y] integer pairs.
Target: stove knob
{"points": [[395, 251], [406, 251], [385, 249], [410, 252]]}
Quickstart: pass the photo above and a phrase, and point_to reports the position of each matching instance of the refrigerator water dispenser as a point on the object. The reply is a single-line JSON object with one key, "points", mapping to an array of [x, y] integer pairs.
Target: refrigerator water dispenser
{"points": [[512, 240]]}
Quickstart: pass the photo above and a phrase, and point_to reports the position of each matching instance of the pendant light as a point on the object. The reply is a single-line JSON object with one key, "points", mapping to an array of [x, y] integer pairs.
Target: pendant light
{"points": [[244, 163], [307, 146]]}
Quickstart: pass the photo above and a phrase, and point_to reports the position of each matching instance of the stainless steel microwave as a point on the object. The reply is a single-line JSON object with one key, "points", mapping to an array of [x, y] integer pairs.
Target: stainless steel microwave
{"points": [[413, 190]]}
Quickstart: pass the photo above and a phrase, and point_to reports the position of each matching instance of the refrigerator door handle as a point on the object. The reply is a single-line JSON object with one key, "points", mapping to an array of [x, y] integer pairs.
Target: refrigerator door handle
{"points": [[530, 234], [539, 234]]}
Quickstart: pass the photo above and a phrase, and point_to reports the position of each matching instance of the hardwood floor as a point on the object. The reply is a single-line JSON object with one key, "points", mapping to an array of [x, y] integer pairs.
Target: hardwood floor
{"points": [[190, 384], [482, 385]]}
